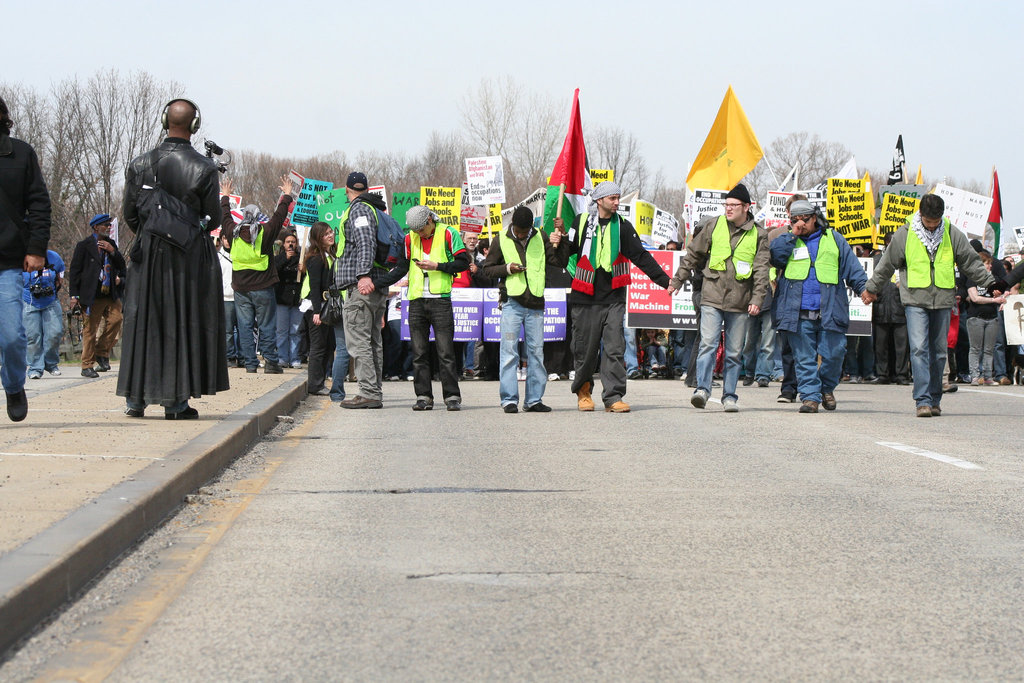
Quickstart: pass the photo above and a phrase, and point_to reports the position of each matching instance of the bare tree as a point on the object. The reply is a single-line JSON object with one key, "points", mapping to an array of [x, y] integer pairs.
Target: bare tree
{"points": [[614, 148], [819, 159]]}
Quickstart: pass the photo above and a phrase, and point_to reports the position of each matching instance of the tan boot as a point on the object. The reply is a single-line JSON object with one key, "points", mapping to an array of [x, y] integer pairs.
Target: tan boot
{"points": [[583, 400], [617, 407]]}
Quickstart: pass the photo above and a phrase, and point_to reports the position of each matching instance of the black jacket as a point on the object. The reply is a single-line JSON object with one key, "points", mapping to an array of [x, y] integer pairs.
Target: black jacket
{"points": [[287, 288], [183, 172], [21, 181], [84, 273]]}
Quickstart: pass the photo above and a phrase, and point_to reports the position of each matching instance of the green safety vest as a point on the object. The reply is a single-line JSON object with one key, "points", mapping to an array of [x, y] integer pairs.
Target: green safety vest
{"points": [[515, 283], [722, 250], [919, 265], [304, 292], [440, 282], [826, 266], [245, 256]]}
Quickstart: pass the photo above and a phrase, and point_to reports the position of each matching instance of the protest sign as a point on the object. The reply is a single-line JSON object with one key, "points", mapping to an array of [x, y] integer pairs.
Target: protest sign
{"points": [[600, 175], [904, 190], [555, 314], [1018, 233], [896, 209], [705, 203], [643, 212], [305, 211], [472, 218], [815, 197], [774, 211], [446, 202], [400, 205], [485, 178], [648, 305], [382, 192], [495, 225], [860, 314], [330, 207], [666, 228], [966, 210], [626, 211], [851, 216], [1013, 319]]}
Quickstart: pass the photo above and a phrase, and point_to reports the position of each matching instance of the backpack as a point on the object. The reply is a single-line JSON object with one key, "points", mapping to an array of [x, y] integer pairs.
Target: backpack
{"points": [[390, 240]]}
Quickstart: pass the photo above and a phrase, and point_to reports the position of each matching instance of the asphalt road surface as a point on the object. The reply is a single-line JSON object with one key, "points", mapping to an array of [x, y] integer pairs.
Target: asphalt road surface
{"points": [[665, 544]]}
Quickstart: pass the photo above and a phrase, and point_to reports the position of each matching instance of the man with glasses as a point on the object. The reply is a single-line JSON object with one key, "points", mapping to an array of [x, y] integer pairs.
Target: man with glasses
{"points": [[732, 253], [815, 265], [927, 250]]}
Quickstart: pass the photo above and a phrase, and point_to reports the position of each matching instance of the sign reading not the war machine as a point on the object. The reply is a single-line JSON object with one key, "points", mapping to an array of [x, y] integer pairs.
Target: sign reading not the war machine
{"points": [[650, 306]]}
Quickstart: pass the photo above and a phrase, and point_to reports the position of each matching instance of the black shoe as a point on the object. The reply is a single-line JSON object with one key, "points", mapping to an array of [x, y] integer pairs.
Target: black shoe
{"points": [[511, 408], [132, 412], [90, 373], [453, 405], [251, 371], [272, 369], [786, 397], [537, 407], [880, 380], [747, 380], [423, 405], [763, 382], [189, 413], [17, 406], [361, 402], [902, 381], [635, 375], [322, 391], [102, 364], [240, 364]]}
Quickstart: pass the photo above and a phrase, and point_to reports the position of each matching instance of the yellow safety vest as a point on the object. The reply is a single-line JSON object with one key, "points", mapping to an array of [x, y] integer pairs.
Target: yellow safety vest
{"points": [[245, 256], [919, 265], [515, 283], [722, 250], [826, 265], [440, 282]]}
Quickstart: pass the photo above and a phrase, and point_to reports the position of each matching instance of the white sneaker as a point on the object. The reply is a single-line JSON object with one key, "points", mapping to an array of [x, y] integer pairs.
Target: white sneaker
{"points": [[729, 405], [553, 377], [572, 375], [296, 364], [55, 372]]}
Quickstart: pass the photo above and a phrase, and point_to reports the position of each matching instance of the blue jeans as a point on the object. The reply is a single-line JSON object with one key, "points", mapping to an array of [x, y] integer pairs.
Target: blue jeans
{"points": [[759, 347], [810, 341], [469, 356], [232, 343], [711, 321], [514, 316], [927, 329], [677, 341], [288, 320], [630, 354], [12, 331], [999, 350], [341, 360], [43, 330], [257, 308]]}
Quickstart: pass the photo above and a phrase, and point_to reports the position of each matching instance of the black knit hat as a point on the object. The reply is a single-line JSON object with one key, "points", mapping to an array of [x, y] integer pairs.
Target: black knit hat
{"points": [[522, 218], [739, 192]]}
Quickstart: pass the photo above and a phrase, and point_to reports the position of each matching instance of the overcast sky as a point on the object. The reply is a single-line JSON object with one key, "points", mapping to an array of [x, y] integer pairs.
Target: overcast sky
{"points": [[339, 75]]}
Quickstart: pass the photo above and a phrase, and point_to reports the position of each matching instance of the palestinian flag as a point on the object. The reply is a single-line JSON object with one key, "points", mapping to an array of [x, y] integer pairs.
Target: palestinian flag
{"points": [[995, 216], [571, 173]]}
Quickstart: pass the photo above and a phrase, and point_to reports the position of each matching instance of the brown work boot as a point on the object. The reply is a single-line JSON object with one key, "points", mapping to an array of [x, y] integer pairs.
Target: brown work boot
{"points": [[583, 400], [828, 401], [809, 407], [924, 411], [617, 407]]}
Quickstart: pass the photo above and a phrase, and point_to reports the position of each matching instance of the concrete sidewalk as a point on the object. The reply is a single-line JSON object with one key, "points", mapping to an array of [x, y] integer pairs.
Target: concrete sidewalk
{"points": [[80, 482]]}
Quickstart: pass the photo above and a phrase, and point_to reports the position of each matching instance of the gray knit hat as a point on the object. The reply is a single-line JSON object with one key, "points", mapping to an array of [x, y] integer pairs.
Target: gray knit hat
{"points": [[418, 216]]}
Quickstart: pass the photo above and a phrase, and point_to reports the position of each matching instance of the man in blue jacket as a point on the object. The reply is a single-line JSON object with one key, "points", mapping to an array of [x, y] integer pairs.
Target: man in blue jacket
{"points": [[815, 265]]}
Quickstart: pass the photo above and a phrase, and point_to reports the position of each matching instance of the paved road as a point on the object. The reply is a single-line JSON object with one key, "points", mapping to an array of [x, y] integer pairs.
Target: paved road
{"points": [[668, 543]]}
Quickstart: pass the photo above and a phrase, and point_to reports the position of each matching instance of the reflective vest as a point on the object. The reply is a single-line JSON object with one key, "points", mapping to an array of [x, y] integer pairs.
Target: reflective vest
{"points": [[328, 264], [515, 283], [722, 250], [440, 283], [826, 265], [245, 256], [919, 265]]}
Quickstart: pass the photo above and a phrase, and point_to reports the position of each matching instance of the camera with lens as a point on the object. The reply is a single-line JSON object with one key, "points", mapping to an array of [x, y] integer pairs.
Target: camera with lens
{"points": [[212, 150], [40, 290]]}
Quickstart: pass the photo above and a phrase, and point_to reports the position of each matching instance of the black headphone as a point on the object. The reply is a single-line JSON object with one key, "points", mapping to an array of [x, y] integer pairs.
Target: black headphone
{"points": [[193, 125]]}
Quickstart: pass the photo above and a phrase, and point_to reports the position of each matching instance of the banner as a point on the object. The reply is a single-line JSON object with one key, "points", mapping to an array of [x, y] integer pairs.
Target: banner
{"points": [[446, 202], [305, 211], [555, 314], [467, 310], [896, 209], [966, 210], [535, 202], [485, 178], [601, 175], [650, 306], [666, 228], [401, 202], [1013, 319]]}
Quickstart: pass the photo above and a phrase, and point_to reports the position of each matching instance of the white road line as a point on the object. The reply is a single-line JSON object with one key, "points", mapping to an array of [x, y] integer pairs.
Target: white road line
{"points": [[77, 455], [956, 462], [994, 393]]}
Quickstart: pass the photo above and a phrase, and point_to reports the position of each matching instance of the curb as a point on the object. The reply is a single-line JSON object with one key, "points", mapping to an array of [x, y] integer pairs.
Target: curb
{"points": [[52, 567]]}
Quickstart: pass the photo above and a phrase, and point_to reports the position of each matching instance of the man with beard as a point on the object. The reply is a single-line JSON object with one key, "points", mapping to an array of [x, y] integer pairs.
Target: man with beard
{"points": [[173, 345]]}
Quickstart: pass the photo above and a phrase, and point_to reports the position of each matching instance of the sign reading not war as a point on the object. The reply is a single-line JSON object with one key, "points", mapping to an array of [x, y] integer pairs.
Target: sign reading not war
{"points": [[305, 211], [446, 202]]}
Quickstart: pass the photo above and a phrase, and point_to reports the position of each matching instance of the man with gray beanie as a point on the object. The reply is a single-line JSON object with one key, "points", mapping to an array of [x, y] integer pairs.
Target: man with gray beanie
{"points": [[927, 250], [361, 258], [732, 253], [815, 266], [433, 255], [601, 246], [519, 258]]}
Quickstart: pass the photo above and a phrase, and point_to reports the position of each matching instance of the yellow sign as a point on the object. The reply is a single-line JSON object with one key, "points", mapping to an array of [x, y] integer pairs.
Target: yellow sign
{"points": [[600, 175], [446, 202], [643, 214], [896, 209], [851, 217], [493, 226]]}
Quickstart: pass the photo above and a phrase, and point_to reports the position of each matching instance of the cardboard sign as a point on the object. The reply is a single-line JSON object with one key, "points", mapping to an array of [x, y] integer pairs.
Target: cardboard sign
{"points": [[704, 203], [305, 210], [643, 214], [966, 210], [485, 180], [382, 192], [896, 209], [400, 205], [446, 202], [1013, 319]]}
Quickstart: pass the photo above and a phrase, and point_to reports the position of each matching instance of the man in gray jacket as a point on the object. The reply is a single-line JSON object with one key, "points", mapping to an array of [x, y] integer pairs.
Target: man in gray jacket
{"points": [[926, 250], [733, 252]]}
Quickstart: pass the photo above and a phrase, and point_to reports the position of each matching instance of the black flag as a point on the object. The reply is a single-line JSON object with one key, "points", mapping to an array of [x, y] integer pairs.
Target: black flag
{"points": [[897, 175]]}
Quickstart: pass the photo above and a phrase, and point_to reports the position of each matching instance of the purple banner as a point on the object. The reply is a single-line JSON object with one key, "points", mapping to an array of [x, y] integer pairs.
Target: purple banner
{"points": [[467, 309], [555, 312]]}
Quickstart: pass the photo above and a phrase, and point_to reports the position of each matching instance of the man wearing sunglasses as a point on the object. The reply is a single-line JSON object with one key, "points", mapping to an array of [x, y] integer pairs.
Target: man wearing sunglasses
{"points": [[733, 253], [815, 266]]}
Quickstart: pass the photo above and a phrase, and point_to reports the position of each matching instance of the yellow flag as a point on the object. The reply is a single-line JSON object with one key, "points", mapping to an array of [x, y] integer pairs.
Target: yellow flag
{"points": [[920, 178], [730, 151]]}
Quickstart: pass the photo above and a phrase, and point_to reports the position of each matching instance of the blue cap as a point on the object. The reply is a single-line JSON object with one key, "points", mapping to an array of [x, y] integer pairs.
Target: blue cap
{"points": [[100, 218]]}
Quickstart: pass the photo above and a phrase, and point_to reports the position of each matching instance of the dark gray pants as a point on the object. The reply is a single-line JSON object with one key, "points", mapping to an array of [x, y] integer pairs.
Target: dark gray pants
{"points": [[597, 332]]}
